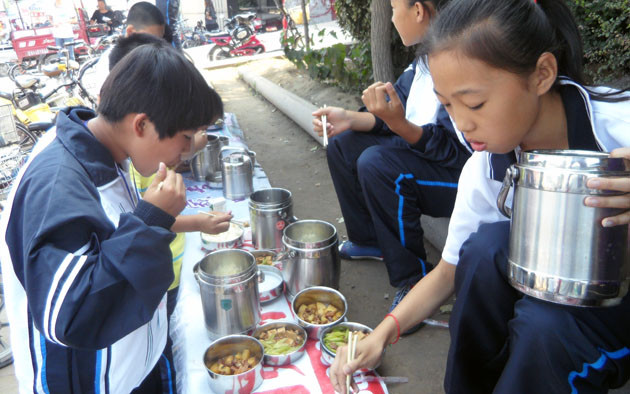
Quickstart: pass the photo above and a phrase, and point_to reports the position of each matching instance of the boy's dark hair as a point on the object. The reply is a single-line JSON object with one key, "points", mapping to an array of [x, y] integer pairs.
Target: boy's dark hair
{"points": [[127, 44], [144, 14], [155, 79]]}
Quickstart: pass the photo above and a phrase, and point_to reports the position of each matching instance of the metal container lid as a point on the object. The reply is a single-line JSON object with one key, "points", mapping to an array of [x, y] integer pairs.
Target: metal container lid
{"points": [[576, 160], [567, 171], [272, 198], [309, 234], [227, 266]]}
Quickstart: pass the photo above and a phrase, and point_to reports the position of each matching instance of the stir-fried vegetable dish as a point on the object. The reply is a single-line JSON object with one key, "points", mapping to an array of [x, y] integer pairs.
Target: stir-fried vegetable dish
{"points": [[319, 313], [277, 341], [264, 260], [338, 336], [235, 364]]}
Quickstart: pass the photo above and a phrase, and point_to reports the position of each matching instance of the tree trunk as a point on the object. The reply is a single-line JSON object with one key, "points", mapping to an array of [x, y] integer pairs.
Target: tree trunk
{"points": [[307, 40], [380, 41]]}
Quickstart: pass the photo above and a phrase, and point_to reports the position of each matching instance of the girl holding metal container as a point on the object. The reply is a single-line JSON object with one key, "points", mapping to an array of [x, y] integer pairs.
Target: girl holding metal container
{"points": [[509, 73]]}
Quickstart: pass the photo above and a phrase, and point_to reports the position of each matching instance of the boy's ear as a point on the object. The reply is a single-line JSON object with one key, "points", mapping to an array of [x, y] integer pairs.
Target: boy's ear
{"points": [[139, 123], [545, 74], [129, 30]]}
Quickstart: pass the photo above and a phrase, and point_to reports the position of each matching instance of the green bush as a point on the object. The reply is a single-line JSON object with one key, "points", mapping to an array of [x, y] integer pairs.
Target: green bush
{"points": [[605, 29]]}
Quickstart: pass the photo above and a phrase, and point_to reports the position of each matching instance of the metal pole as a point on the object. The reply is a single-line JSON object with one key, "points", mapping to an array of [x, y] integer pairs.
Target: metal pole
{"points": [[19, 13]]}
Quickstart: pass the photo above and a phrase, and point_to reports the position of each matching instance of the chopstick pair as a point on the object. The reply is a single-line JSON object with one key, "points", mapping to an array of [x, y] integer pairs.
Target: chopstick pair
{"points": [[352, 350], [325, 133]]}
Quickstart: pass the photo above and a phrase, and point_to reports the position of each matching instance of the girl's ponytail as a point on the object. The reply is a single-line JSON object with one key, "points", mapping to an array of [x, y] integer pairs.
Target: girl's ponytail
{"points": [[568, 46]]}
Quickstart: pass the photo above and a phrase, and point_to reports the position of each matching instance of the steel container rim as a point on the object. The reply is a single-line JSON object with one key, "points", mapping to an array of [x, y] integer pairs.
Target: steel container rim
{"points": [[270, 205], [240, 277], [310, 246]]}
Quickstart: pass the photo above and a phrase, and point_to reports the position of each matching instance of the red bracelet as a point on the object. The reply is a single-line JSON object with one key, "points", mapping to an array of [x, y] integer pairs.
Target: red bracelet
{"points": [[397, 328]]}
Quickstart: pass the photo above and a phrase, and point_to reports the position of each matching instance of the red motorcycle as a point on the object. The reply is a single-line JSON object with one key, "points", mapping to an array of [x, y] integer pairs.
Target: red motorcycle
{"points": [[239, 39]]}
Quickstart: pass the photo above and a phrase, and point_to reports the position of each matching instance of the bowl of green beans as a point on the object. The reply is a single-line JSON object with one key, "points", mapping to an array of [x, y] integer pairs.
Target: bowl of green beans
{"points": [[284, 342], [332, 338]]}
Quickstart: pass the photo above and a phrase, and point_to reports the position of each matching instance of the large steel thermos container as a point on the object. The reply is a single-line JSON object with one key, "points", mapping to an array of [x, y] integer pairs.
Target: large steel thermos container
{"points": [[237, 170], [205, 164], [270, 211], [311, 255], [559, 250], [228, 283]]}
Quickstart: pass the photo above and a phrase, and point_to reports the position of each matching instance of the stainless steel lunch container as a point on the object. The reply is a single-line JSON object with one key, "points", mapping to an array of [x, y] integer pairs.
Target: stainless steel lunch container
{"points": [[237, 170], [243, 383], [205, 164], [311, 256], [228, 282], [270, 211], [559, 251]]}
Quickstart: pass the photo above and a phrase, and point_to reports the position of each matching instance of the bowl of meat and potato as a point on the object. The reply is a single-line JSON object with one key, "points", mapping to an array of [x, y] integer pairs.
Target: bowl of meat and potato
{"points": [[319, 307]]}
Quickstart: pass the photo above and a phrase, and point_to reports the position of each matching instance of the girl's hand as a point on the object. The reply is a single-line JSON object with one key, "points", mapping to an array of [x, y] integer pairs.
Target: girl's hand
{"points": [[621, 184], [375, 99], [368, 353], [214, 224], [337, 121]]}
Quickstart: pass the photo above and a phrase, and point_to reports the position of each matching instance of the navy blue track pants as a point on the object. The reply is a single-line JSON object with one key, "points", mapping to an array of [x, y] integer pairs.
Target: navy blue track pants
{"points": [[505, 342], [383, 187]]}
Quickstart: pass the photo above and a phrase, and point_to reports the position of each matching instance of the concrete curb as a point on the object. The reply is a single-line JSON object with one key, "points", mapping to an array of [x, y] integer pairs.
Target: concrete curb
{"points": [[293, 106]]}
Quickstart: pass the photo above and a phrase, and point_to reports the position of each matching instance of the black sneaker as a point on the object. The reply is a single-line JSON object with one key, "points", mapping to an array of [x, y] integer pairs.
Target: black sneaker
{"points": [[400, 294]]}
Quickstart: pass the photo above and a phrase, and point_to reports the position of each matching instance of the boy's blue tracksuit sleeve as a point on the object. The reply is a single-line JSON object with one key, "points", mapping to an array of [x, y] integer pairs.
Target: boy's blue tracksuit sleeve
{"points": [[89, 283], [402, 87]]}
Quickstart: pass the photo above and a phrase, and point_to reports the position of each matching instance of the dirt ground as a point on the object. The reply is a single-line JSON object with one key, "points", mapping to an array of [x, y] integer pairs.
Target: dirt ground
{"points": [[295, 161]]}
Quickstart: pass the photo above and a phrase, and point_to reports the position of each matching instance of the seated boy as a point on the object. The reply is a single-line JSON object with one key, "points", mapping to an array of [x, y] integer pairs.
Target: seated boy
{"points": [[85, 262], [143, 17]]}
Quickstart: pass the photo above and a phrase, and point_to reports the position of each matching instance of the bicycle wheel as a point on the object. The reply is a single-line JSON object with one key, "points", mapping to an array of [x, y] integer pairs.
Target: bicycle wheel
{"points": [[218, 53], [47, 59], [16, 70], [27, 137], [5, 68]]}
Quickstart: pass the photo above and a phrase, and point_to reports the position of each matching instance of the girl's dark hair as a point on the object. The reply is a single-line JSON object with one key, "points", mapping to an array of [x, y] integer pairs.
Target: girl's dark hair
{"points": [[511, 35], [155, 79]]}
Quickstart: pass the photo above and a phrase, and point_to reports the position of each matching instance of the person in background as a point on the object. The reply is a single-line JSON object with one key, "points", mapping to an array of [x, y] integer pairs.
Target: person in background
{"points": [[510, 74], [143, 17], [394, 161], [183, 223], [170, 10], [211, 17], [103, 14], [63, 17], [86, 277]]}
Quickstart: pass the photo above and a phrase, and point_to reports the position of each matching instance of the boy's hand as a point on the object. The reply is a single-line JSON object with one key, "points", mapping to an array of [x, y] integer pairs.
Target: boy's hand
{"points": [[617, 184], [216, 224], [375, 100], [167, 191], [337, 121]]}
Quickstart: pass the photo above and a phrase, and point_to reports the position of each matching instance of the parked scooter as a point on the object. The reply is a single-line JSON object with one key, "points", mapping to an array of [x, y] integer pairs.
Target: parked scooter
{"points": [[239, 39], [199, 36]]}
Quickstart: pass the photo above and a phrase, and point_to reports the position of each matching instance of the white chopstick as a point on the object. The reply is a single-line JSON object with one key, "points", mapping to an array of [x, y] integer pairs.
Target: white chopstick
{"points": [[160, 186], [239, 222], [325, 134], [383, 379], [349, 360]]}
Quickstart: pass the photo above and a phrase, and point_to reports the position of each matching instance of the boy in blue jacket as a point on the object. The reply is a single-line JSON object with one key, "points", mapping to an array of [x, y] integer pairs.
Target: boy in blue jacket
{"points": [[86, 263]]}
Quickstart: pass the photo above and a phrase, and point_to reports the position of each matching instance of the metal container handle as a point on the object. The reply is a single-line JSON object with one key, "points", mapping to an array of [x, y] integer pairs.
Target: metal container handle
{"points": [[237, 149], [511, 174]]}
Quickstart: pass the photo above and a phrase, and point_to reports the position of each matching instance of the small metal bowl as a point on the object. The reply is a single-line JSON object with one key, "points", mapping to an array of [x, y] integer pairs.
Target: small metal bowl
{"points": [[282, 359], [328, 356], [215, 241], [315, 294], [241, 383], [270, 283]]}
